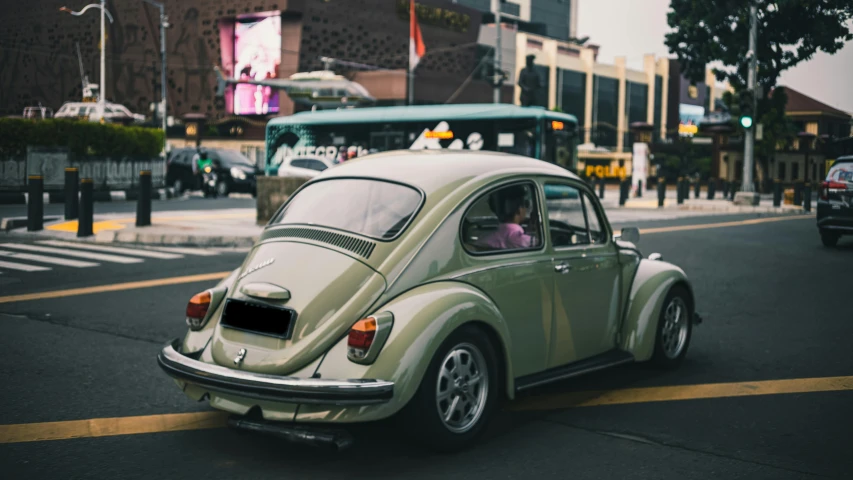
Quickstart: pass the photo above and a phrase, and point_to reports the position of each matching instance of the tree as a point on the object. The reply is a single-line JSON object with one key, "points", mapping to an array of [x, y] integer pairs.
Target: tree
{"points": [[789, 32]]}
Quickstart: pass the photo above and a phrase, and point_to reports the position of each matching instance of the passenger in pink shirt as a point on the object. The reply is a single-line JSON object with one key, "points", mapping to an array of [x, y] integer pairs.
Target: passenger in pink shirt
{"points": [[512, 209]]}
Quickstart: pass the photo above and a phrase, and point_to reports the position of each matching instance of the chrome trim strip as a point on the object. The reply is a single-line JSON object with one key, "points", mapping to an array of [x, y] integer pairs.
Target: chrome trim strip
{"points": [[315, 391]]}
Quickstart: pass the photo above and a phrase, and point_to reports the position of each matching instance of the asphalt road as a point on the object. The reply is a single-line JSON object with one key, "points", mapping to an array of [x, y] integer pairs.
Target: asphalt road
{"points": [[189, 202], [775, 310]]}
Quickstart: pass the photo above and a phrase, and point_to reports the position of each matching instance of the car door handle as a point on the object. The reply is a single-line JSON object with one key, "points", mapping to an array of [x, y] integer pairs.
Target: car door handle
{"points": [[562, 268]]}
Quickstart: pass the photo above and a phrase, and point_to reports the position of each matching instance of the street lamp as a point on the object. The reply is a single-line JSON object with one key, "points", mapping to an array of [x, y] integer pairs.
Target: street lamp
{"points": [[164, 24], [102, 6]]}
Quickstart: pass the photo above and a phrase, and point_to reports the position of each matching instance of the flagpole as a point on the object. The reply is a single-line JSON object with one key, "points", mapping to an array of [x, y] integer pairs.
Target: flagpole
{"points": [[411, 74]]}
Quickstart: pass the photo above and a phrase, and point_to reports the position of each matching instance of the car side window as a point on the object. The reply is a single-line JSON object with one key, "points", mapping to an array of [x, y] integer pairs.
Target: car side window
{"points": [[316, 165], [597, 234], [299, 163], [566, 218], [503, 220]]}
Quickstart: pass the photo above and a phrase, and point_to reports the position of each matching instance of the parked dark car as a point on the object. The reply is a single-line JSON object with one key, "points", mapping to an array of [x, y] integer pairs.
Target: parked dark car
{"points": [[835, 202], [235, 172]]}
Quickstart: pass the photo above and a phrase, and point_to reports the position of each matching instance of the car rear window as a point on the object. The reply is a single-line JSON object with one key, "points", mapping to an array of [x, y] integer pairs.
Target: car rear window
{"points": [[374, 208], [841, 172]]}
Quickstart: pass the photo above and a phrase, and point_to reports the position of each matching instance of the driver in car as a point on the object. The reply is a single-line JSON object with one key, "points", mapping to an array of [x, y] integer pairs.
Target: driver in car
{"points": [[512, 207]]}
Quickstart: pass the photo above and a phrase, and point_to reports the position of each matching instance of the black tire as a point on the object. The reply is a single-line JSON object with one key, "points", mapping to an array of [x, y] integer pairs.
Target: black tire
{"points": [[178, 185], [829, 239], [222, 189], [421, 419], [663, 356]]}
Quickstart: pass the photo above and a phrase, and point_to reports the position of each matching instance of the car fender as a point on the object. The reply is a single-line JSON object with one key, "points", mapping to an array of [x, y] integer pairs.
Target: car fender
{"points": [[651, 284], [423, 319]]}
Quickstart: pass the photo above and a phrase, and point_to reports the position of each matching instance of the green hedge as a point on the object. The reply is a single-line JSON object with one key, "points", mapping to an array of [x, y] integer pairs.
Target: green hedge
{"points": [[82, 138]]}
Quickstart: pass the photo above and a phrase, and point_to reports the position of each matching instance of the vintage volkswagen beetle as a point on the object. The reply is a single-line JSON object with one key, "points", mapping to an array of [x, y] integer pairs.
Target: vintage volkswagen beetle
{"points": [[423, 284]]}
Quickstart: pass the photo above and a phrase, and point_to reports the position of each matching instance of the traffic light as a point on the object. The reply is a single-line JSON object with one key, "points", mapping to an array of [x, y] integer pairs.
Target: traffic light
{"points": [[746, 103]]}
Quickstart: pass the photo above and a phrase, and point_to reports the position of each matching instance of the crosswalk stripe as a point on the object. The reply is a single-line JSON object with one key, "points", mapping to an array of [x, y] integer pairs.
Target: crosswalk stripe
{"points": [[72, 253], [123, 251], [44, 259], [22, 266], [187, 251]]}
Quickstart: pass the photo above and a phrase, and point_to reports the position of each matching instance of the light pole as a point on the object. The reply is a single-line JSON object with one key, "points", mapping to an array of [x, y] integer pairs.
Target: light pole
{"points": [[496, 7], [164, 24], [747, 193], [102, 90]]}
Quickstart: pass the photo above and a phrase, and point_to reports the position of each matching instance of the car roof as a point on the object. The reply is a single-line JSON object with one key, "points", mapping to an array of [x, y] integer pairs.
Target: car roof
{"points": [[478, 111], [433, 170]]}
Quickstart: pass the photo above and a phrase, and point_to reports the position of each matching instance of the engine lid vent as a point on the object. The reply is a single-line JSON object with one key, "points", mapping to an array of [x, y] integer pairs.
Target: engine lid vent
{"points": [[356, 245]]}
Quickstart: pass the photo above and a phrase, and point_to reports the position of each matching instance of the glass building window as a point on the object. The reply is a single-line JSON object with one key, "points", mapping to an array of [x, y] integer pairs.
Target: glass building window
{"points": [[658, 106], [636, 106], [572, 93], [605, 111]]}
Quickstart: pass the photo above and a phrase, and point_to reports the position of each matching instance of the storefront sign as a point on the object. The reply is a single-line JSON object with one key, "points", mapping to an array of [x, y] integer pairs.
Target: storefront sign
{"points": [[435, 16], [606, 170]]}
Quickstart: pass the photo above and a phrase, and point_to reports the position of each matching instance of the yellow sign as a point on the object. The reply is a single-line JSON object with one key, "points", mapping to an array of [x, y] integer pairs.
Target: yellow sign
{"points": [[829, 164], [557, 125], [439, 135], [606, 171], [688, 129], [192, 130]]}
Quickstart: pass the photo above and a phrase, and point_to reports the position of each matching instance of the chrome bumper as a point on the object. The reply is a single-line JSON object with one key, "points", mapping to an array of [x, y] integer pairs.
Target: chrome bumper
{"points": [[316, 391]]}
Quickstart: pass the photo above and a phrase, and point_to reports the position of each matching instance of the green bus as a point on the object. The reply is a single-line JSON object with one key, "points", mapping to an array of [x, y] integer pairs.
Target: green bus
{"points": [[332, 134]]}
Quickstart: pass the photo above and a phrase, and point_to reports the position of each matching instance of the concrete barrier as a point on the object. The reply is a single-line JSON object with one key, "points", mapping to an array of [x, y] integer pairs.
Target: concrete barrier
{"points": [[272, 193]]}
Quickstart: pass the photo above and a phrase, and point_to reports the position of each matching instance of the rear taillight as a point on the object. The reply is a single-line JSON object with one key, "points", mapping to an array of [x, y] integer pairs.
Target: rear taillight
{"points": [[831, 187], [197, 309], [361, 337], [367, 337]]}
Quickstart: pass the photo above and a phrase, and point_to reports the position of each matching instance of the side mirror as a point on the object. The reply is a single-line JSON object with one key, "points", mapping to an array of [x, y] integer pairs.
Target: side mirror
{"points": [[630, 234]]}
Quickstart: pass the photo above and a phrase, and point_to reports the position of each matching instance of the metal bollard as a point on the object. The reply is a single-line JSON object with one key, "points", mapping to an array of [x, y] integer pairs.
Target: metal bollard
{"points": [[601, 188], [777, 193], [697, 189], [87, 210], [143, 203], [798, 194], [639, 189], [35, 203], [734, 188], [624, 188], [807, 197], [679, 190], [71, 193], [661, 191], [712, 188], [724, 189]]}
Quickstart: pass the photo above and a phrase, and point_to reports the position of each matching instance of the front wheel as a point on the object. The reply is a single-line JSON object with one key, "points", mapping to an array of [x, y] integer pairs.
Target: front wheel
{"points": [[829, 239], [457, 395], [222, 189], [675, 327]]}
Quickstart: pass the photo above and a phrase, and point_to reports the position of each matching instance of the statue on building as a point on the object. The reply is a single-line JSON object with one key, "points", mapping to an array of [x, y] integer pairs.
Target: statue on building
{"points": [[529, 82]]}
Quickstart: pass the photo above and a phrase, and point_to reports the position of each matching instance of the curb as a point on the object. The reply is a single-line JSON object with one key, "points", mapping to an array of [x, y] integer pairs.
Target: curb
{"points": [[118, 236], [22, 198], [11, 223]]}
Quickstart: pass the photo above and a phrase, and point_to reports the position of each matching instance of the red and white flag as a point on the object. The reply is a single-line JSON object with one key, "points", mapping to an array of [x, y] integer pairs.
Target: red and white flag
{"points": [[417, 49]]}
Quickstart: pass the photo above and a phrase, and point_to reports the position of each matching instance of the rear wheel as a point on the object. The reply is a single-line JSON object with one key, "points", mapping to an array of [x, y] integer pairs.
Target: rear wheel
{"points": [[457, 395], [829, 239], [675, 326], [178, 185]]}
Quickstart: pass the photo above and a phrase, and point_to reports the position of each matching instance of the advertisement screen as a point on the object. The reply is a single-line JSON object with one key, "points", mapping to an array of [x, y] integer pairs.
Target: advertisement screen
{"points": [[257, 55]]}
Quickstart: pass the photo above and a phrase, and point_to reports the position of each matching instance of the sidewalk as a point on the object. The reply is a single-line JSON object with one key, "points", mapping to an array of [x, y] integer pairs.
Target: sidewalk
{"points": [[236, 228]]}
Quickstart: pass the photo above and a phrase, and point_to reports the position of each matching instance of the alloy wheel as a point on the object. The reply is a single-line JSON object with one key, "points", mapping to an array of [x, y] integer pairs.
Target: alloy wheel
{"points": [[674, 331], [462, 388]]}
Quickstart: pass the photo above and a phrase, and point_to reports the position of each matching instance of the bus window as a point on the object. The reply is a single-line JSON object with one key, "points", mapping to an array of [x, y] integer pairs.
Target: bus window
{"points": [[558, 148], [517, 136]]}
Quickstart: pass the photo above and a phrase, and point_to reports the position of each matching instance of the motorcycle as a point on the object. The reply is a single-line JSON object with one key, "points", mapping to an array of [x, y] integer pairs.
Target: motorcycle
{"points": [[208, 184]]}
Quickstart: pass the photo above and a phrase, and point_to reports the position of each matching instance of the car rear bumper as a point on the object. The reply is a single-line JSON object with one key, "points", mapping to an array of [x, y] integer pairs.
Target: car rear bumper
{"points": [[836, 219], [316, 391]]}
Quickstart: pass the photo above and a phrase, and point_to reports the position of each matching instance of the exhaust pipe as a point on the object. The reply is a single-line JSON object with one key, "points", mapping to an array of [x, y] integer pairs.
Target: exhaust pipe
{"points": [[316, 437]]}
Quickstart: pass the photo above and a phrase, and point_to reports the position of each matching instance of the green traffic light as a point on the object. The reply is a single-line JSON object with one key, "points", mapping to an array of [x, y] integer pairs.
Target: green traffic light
{"points": [[746, 122]]}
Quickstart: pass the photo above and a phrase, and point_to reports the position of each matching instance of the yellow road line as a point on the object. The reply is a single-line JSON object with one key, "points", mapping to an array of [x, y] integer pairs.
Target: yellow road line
{"points": [[738, 223], [683, 392], [105, 427], [115, 287]]}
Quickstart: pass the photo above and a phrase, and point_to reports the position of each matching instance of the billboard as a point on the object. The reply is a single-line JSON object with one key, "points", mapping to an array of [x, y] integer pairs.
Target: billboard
{"points": [[257, 56]]}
